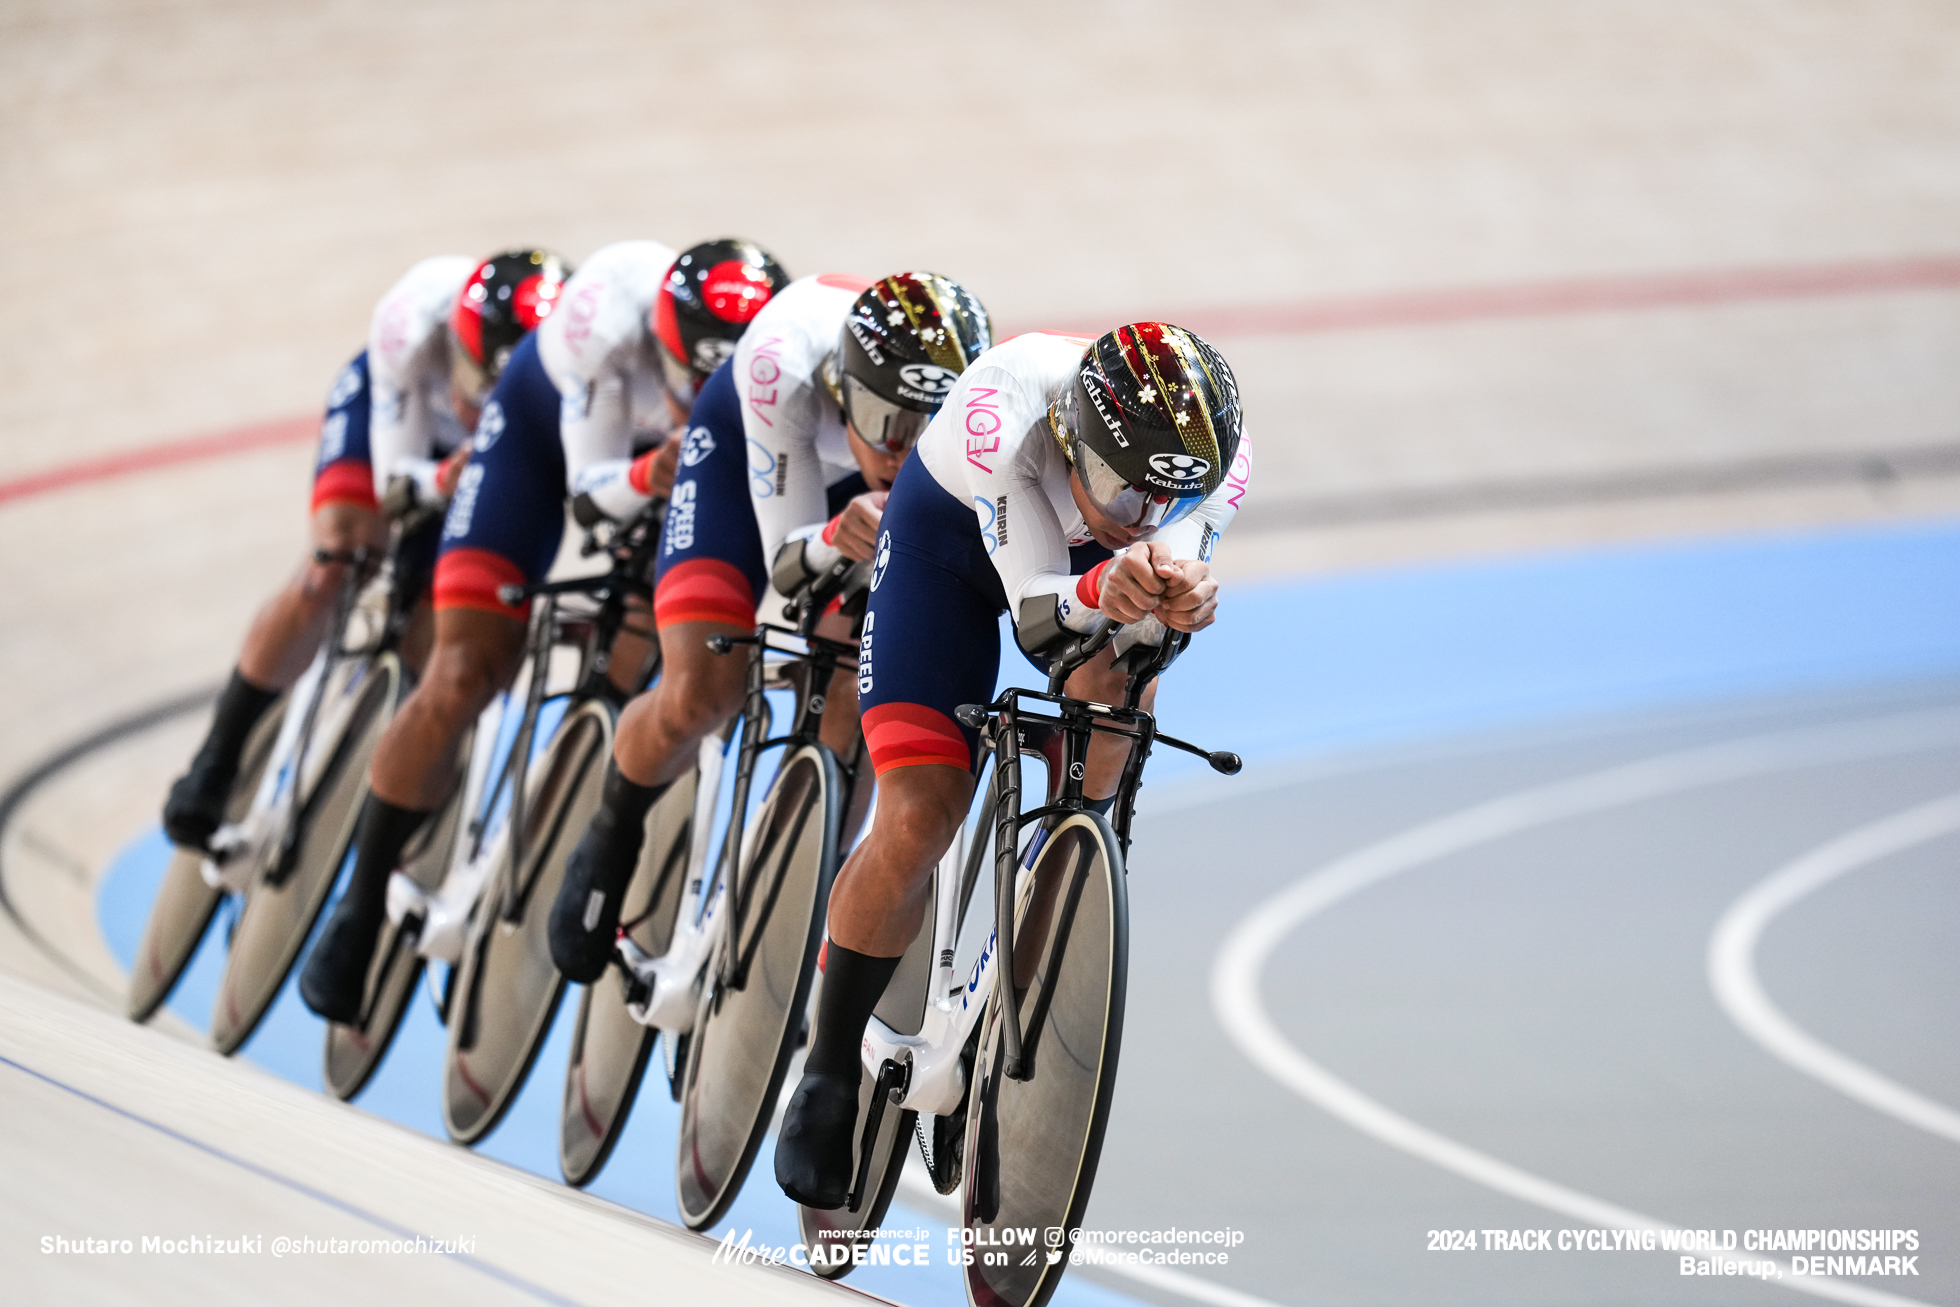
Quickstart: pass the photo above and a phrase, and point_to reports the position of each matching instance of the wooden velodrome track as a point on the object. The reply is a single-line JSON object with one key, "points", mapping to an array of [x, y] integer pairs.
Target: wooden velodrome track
{"points": [[1495, 276]]}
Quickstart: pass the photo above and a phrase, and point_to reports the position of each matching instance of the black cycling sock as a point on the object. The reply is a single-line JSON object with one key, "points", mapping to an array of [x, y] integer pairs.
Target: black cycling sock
{"points": [[385, 832], [1104, 806], [240, 705], [627, 803], [853, 982]]}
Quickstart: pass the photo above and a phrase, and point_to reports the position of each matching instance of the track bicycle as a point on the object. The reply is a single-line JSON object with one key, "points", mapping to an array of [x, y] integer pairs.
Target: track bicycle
{"points": [[504, 988], [766, 903], [670, 919], [1007, 1088], [292, 810]]}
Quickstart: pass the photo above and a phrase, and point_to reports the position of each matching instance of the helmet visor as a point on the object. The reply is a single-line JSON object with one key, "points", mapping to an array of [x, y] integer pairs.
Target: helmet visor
{"points": [[880, 423], [1130, 507], [471, 379], [680, 379]]}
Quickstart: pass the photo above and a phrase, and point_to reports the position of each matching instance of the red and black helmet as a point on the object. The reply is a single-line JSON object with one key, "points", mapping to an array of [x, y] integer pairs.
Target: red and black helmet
{"points": [[711, 294], [507, 296], [1151, 424]]}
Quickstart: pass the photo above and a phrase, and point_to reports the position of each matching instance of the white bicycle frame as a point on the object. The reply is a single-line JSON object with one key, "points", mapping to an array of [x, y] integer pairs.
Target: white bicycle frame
{"points": [[936, 1070], [675, 976], [445, 912], [240, 849]]}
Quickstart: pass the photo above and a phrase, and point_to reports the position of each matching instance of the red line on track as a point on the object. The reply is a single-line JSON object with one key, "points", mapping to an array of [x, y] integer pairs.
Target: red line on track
{"points": [[1335, 313], [1575, 295], [283, 432]]}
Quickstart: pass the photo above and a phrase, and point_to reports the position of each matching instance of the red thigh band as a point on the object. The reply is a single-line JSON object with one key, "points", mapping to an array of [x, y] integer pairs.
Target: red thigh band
{"points": [[470, 578], [704, 590], [913, 735], [349, 481]]}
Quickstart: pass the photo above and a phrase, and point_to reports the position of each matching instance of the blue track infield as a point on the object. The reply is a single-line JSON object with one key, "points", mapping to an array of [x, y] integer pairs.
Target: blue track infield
{"points": [[1297, 669]]}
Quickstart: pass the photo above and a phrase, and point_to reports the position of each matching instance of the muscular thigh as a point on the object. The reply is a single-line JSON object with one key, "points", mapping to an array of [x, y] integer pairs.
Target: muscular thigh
{"points": [[710, 566], [931, 631], [507, 516]]}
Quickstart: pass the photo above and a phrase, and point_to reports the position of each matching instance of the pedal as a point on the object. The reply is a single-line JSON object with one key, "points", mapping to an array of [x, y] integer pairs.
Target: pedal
{"points": [[406, 900], [443, 931], [642, 977], [888, 1088], [226, 868]]}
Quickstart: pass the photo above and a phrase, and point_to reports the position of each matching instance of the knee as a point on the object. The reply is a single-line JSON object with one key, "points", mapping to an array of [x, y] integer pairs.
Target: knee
{"points": [[918, 813], [461, 678], [697, 700]]}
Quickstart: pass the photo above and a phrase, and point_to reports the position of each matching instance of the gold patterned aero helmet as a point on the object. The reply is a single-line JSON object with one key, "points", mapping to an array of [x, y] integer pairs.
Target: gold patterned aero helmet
{"points": [[904, 343], [1151, 424]]}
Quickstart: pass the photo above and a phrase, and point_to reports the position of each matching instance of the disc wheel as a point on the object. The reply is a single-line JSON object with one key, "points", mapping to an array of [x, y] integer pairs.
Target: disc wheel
{"points": [[353, 1053], [279, 914], [746, 1029], [184, 904], [508, 990], [1032, 1144], [610, 1050], [840, 1233]]}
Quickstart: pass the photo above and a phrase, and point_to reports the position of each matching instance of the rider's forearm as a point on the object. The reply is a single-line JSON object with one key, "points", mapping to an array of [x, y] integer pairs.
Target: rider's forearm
{"points": [[611, 487]]}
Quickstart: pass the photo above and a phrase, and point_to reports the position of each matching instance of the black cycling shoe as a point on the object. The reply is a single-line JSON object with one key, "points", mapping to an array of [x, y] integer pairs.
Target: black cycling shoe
{"points": [[585, 915], [334, 981], [813, 1149], [196, 805]]}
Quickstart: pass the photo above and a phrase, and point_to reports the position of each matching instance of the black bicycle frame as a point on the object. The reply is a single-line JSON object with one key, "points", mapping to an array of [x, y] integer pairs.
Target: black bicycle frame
{"points": [[814, 665], [632, 548], [1063, 739]]}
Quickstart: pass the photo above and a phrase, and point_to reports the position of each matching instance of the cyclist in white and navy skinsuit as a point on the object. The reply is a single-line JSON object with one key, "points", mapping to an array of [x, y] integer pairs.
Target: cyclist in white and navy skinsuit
{"points": [[798, 436], [581, 410], [392, 411], [1064, 482]]}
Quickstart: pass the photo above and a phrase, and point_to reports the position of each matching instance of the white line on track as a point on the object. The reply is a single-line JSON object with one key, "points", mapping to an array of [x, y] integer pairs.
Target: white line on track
{"points": [[1732, 962], [1237, 1003]]}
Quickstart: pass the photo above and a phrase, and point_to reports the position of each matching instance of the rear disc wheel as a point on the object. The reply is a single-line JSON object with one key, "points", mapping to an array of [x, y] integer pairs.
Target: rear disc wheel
{"points": [[745, 1032], [279, 916], [610, 1050], [353, 1053], [184, 904], [509, 988]]}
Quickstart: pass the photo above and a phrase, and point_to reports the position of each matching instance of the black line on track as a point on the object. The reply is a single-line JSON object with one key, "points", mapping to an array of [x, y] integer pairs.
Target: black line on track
{"points": [[264, 1173], [16, 796]]}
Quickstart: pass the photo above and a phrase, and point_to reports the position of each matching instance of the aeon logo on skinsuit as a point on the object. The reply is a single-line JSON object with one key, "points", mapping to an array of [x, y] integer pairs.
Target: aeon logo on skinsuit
{"points": [[488, 427], [1180, 468]]}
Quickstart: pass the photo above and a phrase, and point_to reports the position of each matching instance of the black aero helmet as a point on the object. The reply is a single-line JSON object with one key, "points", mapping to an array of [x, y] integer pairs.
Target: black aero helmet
{"points": [[507, 296], [711, 294], [905, 342], [1151, 424]]}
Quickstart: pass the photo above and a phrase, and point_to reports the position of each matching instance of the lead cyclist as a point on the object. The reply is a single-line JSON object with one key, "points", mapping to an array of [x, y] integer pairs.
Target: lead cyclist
{"points": [[402, 408], [797, 438], [1065, 481]]}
